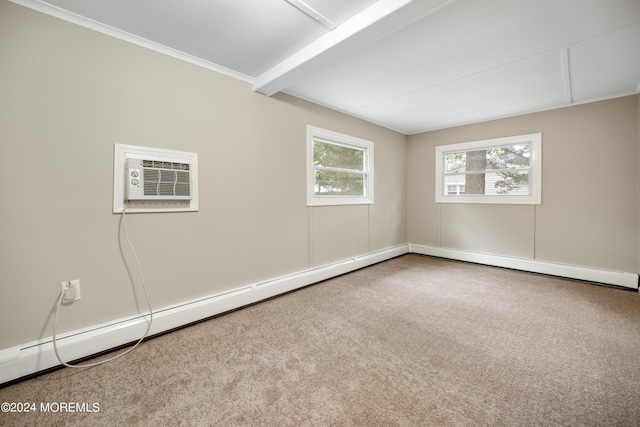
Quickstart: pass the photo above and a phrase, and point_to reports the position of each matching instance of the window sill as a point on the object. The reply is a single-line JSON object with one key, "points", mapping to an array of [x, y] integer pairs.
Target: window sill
{"points": [[339, 201]]}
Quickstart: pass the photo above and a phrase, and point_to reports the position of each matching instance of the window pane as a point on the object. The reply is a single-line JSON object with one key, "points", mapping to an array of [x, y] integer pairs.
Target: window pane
{"points": [[455, 162], [496, 183], [463, 161], [329, 183], [337, 156], [507, 157], [510, 157], [474, 183], [508, 183]]}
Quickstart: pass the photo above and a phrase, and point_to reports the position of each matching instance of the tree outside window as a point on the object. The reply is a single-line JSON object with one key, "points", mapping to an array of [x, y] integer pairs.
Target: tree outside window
{"points": [[339, 168], [500, 169]]}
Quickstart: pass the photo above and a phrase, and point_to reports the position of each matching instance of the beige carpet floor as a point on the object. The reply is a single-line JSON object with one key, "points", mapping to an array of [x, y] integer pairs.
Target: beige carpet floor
{"points": [[414, 341]]}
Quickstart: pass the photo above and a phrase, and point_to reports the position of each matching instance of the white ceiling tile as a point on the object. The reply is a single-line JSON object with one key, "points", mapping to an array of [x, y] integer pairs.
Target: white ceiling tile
{"points": [[606, 65], [532, 83]]}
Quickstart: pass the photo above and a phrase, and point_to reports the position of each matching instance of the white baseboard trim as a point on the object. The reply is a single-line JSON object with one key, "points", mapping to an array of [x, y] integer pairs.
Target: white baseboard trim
{"points": [[36, 356], [609, 277], [33, 357]]}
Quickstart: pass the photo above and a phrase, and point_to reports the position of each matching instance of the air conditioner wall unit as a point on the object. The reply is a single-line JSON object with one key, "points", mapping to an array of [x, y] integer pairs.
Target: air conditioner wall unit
{"points": [[165, 180], [148, 179]]}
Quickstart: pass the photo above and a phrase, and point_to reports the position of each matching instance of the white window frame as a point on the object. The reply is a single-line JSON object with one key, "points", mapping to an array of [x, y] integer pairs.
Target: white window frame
{"points": [[344, 140], [535, 171]]}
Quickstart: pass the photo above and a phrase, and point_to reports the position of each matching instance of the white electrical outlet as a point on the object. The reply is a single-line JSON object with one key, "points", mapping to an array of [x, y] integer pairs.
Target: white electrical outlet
{"points": [[71, 291]]}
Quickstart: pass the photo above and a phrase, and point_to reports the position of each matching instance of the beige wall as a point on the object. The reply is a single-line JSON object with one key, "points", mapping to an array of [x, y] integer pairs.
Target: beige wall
{"points": [[589, 197], [68, 94]]}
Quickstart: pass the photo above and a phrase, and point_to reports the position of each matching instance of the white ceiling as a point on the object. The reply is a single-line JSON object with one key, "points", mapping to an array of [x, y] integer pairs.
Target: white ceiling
{"points": [[411, 66]]}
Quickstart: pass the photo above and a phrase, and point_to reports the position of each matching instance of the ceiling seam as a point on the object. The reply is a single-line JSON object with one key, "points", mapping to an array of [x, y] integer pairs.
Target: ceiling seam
{"points": [[566, 74], [312, 13], [496, 67]]}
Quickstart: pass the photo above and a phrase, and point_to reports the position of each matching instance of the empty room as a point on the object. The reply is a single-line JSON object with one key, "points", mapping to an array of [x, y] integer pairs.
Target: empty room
{"points": [[320, 212]]}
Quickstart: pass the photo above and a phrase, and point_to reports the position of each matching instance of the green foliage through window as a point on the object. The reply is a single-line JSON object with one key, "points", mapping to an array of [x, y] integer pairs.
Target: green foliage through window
{"points": [[340, 170]]}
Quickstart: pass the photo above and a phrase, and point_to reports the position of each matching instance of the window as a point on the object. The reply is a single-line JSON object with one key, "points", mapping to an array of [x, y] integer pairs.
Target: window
{"points": [[339, 168], [502, 170]]}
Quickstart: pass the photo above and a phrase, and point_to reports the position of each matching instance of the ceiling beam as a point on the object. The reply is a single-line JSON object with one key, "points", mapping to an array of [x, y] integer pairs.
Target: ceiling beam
{"points": [[381, 18]]}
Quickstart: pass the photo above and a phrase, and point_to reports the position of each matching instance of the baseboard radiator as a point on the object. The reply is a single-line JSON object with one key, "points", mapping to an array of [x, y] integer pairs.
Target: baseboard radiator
{"points": [[30, 358], [589, 274]]}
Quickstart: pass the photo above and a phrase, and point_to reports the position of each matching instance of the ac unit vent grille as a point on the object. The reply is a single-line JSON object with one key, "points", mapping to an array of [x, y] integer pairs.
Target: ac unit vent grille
{"points": [[158, 182], [158, 164]]}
